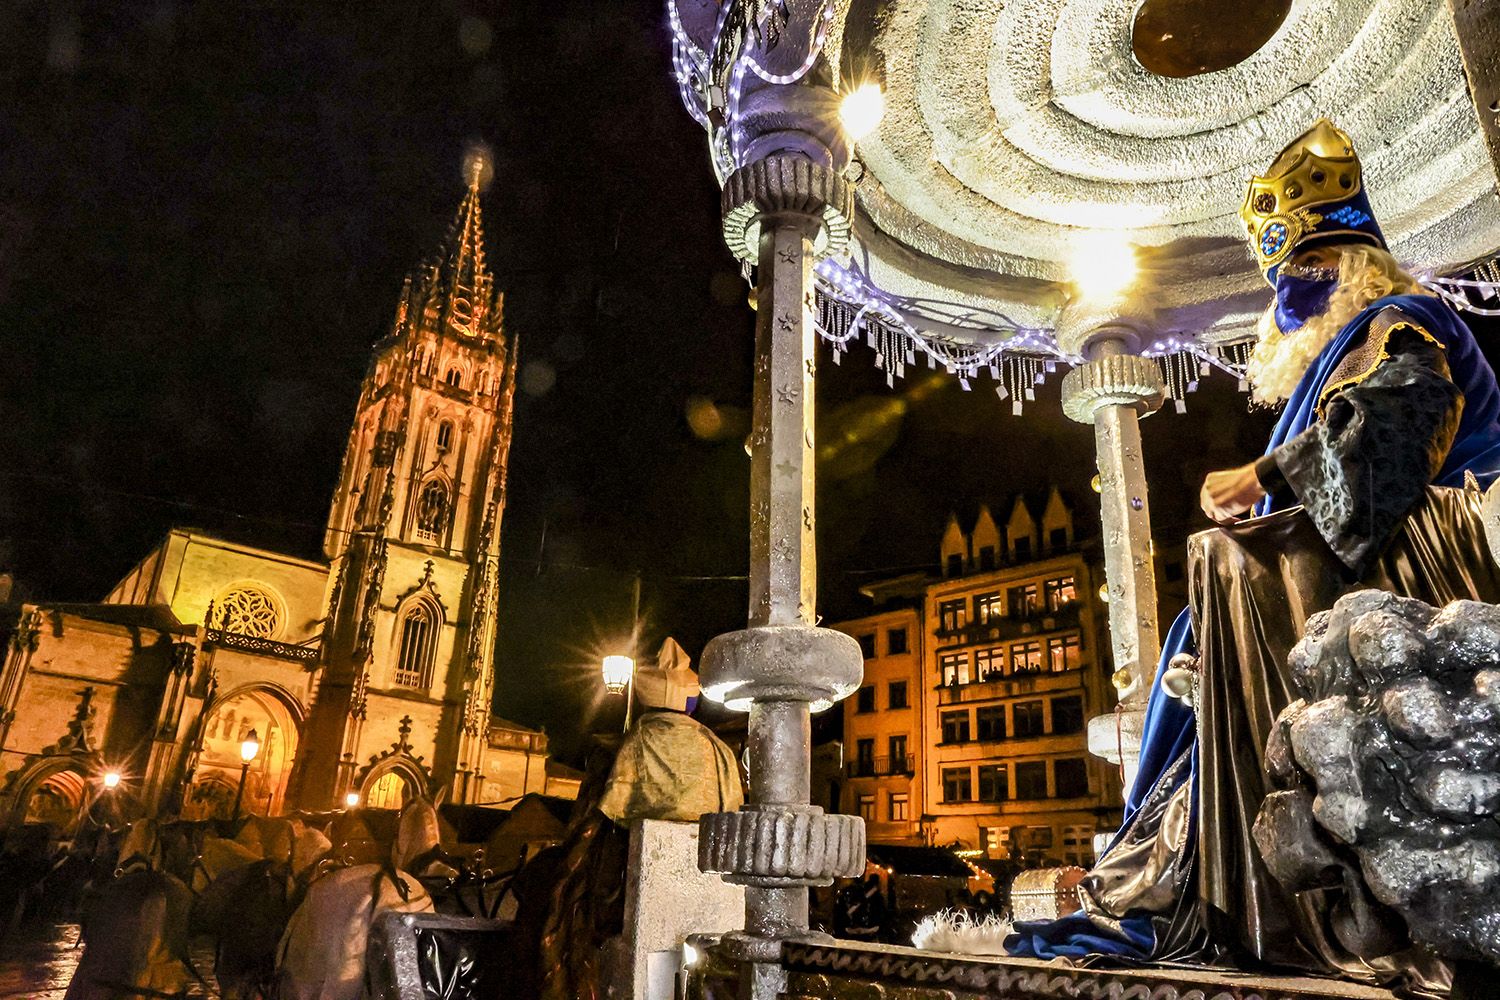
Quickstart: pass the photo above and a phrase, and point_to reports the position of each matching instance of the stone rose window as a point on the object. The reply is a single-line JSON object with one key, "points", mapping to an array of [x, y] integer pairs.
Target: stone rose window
{"points": [[247, 610]]}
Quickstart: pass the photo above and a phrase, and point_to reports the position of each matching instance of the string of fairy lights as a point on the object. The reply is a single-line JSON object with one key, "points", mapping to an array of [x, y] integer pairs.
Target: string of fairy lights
{"points": [[901, 331]]}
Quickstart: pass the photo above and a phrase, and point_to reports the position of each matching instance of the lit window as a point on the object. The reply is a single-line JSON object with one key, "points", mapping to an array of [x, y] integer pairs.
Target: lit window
{"points": [[952, 615], [455, 377], [954, 667], [988, 608], [1064, 653], [867, 808], [1060, 592], [900, 806], [957, 785], [445, 435], [432, 510], [989, 664], [1026, 657], [1078, 845], [418, 646], [388, 792], [1022, 600]]}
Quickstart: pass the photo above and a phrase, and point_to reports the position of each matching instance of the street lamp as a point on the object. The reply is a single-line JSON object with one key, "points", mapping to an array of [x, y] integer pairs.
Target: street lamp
{"points": [[619, 677], [351, 800], [248, 750], [112, 779]]}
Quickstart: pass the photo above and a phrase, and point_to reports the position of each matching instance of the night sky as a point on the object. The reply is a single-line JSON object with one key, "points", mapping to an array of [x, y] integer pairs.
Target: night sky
{"points": [[207, 209]]}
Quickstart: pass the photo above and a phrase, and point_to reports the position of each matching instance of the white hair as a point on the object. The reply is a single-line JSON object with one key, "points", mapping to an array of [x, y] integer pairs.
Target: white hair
{"points": [[1279, 360]]}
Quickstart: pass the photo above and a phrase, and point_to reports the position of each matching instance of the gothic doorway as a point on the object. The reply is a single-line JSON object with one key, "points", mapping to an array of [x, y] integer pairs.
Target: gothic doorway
{"points": [[389, 791], [276, 719]]}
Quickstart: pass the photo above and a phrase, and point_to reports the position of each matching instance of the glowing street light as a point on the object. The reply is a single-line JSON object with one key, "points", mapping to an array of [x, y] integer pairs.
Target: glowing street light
{"points": [[619, 678], [351, 801], [861, 109], [112, 779], [248, 751]]}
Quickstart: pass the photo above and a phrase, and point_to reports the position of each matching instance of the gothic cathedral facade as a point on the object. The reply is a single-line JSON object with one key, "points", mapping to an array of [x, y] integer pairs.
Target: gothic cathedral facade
{"points": [[359, 680]]}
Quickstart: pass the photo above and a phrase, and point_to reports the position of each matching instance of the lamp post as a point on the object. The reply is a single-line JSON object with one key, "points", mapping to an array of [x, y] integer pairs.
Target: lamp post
{"points": [[248, 751], [619, 677]]}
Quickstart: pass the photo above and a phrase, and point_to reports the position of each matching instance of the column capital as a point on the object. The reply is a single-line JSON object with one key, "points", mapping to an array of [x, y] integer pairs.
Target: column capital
{"points": [[786, 185], [1112, 380]]}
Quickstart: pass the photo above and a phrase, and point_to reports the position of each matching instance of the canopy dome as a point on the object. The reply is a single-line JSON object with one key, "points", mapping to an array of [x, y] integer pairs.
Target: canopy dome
{"points": [[1019, 133]]}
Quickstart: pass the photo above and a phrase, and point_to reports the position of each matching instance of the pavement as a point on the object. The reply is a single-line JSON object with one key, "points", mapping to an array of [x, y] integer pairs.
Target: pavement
{"points": [[37, 963]]}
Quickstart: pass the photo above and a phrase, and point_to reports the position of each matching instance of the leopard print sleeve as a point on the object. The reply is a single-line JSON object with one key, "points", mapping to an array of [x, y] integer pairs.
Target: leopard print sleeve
{"points": [[1384, 432]]}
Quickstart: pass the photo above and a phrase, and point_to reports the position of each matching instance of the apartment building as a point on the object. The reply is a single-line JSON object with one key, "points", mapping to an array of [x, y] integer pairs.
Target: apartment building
{"points": [[883, 719], [969, 729], [1016, 661]]}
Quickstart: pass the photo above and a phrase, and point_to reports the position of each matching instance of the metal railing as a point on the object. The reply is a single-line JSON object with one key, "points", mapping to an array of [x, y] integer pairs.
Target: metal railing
{"points": [[882, 767], [263, 646]]}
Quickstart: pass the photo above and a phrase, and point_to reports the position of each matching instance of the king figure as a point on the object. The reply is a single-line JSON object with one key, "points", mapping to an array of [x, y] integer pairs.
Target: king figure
{"points": [[1390, 419]]}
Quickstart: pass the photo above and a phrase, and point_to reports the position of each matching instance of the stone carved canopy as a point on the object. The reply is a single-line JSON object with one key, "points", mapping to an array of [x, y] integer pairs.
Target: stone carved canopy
{"points": [[1016, 130]]}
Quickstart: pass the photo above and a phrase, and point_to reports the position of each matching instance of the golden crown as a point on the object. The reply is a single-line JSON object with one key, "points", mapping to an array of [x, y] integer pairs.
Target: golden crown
{"points": [[1319, 169]]}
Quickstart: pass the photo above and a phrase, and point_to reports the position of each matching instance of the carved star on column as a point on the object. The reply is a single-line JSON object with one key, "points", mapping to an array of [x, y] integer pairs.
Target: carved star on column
{"points": [[784, 549], [786, 469], [787, 255], [812, 367], [786, 323], [788, 392]]}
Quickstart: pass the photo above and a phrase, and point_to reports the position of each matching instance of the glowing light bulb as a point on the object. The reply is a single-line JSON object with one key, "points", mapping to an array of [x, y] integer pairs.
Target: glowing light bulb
{"points": [[351, 800], [617, 672], [1101, 264], [861, 110], [1096, 484], [1104, 592], [112, 779]]}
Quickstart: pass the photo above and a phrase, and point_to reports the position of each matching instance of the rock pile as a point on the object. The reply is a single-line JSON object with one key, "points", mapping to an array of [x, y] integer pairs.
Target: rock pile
{"points": [[1389, 767]]}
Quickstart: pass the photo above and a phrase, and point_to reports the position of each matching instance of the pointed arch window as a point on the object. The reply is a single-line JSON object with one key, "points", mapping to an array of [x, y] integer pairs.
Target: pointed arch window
{"points": [[455, 377], [445, 435], [432, 510], [419, 627]]}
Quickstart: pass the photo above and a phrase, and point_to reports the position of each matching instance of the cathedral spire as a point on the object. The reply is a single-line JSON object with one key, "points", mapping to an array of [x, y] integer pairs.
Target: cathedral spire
{"points": [[463, 285]]}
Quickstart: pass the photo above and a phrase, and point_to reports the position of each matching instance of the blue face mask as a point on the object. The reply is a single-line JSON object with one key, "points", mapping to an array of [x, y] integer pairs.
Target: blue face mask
{"points": [[1299, 299]]}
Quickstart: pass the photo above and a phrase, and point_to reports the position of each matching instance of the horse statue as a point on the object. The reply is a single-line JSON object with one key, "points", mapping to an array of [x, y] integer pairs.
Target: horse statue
{"points": [[321, 955], [135, 928]]}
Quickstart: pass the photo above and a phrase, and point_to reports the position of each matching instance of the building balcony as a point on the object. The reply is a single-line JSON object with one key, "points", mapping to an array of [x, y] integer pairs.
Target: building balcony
{"points": [[1011, 685], [262, 646], [1002, 629], [882, 767]]}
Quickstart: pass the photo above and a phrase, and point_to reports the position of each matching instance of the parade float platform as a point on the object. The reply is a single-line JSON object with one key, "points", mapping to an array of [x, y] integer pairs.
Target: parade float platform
{"points": [[850, 969], [845, 970]]}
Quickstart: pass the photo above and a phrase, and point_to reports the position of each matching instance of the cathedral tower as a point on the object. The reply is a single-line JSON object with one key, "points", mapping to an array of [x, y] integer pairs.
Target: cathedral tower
{"points": [[413, 543]]}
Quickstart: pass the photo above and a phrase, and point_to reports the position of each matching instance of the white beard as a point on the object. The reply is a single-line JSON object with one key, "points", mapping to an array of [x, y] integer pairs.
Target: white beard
{"points": [[1279, 360]]}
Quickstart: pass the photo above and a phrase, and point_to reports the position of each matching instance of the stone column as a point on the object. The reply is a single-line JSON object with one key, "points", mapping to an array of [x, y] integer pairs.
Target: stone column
{"points": [[781, 213], [1111, 390]]}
